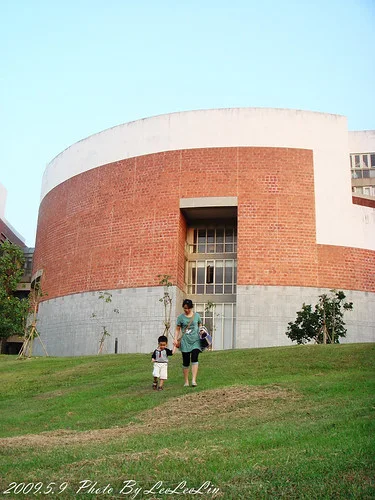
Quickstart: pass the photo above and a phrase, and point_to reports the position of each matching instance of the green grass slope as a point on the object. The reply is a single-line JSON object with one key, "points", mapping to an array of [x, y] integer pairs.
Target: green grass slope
{"points": [[288, 422]]}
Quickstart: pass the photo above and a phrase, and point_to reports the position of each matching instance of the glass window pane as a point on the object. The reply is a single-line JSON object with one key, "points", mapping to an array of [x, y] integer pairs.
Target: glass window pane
{"points": [[210, 274], [219, 271], [228, 310], [219, 288], [217, 337], [194, 248], [201, 241], [356, 161], [210, 269], [201, 273], [228, 235], [208, 311], [193, 272], [228, 332], [372, 158], [208, 324], [228, 276], [219, 240], [199, 308], [210, 241], [365, 161]]}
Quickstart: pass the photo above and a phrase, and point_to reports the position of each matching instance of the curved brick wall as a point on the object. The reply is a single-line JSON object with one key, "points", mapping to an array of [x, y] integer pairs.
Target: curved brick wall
{"points": [[110, 219], [119, 225]]}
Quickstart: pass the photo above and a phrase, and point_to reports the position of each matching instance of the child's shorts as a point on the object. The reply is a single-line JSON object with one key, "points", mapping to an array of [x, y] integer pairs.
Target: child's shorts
{"points": [[160, 370]]}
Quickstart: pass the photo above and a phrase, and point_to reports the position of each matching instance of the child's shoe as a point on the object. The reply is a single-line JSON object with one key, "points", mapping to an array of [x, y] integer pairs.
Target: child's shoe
{"points": [[155, 386]]}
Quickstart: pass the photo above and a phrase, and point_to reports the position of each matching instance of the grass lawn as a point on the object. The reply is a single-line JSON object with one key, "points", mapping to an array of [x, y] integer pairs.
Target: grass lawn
{"points": [[287, 422]]}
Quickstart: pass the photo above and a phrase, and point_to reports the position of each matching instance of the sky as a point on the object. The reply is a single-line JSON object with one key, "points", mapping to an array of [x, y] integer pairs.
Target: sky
{"points": [[71, 68]]}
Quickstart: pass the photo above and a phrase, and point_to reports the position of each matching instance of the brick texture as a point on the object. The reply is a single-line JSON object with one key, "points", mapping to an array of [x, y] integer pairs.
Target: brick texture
{"points": [[365, 202], [9, 234], [119, 225]]}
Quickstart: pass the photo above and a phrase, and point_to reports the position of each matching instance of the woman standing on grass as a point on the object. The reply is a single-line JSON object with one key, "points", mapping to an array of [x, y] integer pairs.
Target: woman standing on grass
{"points": [[188, 340]]}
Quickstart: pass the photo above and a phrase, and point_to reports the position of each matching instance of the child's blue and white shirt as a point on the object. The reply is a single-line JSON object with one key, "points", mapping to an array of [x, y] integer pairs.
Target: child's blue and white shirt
{"points": [[161, 356]]}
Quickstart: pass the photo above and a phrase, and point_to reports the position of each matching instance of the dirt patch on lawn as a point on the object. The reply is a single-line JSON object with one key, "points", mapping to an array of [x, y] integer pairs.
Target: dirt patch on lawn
{"points": [[202, 405], [195, 407], [117, 459], [53, 394]]}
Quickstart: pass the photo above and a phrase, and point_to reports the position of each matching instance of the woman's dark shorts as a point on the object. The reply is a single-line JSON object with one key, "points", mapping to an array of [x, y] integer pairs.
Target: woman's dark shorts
{"points": [[192, 355]]}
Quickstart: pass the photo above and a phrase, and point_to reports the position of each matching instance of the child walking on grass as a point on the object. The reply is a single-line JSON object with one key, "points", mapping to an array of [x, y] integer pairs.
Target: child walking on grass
{"points": [[160, 360]]}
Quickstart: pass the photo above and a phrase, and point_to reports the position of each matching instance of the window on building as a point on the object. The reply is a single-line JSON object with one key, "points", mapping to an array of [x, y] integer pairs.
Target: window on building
{"points": [[220, 240], [210, 273], [356, 174], [365, 190], [209, 277], [221, 322], [369, 190], [362, 161], [28, 267], [363, 167]]}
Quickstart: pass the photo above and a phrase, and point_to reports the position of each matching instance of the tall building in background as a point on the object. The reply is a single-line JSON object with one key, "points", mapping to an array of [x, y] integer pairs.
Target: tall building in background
{"points": [[362, 162], [8, 233], [248, 209]]}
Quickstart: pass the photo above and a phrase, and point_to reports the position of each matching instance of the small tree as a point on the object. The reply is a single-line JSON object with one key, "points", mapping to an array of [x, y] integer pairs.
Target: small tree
{"points": [[30, 330], [324, 324], [13, 310], [209, 310], [164, 280], [106, 298]]}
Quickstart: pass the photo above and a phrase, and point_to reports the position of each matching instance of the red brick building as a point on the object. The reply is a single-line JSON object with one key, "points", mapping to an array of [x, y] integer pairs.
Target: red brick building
{"points": [[250, 209]]}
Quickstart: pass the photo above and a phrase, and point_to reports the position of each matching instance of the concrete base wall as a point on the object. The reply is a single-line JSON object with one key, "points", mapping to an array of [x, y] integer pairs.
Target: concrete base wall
{"points": [[263, 314], [67, 327]]}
